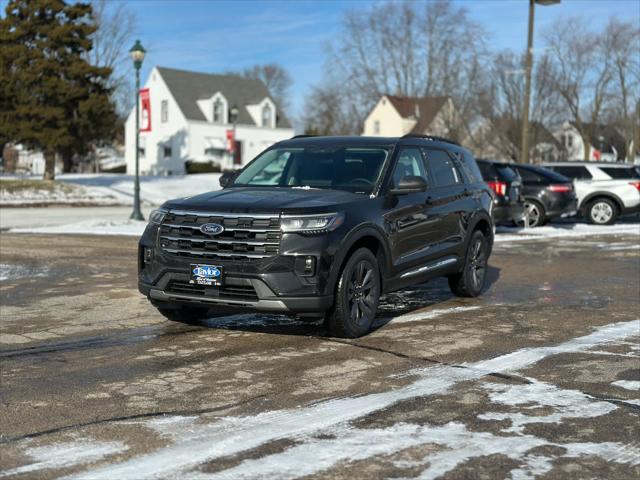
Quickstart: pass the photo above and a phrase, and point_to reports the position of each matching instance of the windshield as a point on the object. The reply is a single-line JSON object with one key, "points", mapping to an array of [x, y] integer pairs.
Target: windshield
{"points": [[354, 169]]}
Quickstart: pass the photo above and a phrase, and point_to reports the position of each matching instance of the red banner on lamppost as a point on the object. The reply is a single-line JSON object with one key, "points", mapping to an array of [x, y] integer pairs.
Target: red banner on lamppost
{"points": [[145, 110], [231, 141]]}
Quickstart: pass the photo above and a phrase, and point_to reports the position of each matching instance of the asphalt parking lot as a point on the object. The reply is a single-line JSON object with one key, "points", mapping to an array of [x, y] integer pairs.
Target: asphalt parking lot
{"points": [[539, 377]]}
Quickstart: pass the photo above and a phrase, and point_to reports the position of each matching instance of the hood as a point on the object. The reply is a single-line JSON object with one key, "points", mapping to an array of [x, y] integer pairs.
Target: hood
{"points": [[266, 200]]}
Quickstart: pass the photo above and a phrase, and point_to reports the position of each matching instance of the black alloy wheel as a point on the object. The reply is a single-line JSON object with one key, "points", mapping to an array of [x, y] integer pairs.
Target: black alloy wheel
{"points": [[471, 280], [357, 295]]}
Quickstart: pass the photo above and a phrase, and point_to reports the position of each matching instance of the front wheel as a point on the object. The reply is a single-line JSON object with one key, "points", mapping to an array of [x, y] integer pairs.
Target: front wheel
{"points": [[470, 282], [357, 295]]}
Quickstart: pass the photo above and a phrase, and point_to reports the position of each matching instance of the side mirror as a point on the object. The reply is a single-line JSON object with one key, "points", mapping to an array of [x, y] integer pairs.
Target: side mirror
{"points": [[226, 178], [410, 184]]}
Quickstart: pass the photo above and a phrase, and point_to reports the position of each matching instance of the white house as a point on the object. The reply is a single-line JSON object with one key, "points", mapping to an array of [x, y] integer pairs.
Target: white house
{"points": [[190, 119], [395, 116], [607, 144]]}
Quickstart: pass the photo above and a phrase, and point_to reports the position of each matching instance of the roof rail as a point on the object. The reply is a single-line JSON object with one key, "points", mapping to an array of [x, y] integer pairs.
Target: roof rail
{"points": [[430, 137], [304, 136]]}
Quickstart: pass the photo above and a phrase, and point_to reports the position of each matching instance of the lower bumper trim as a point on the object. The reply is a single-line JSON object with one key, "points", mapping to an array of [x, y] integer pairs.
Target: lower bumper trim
{"points": [[279, 305]]}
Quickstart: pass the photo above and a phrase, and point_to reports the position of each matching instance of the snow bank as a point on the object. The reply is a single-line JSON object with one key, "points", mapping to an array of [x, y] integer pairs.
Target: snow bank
{"points": [[95, 227], [108, 189], [509, 234]]}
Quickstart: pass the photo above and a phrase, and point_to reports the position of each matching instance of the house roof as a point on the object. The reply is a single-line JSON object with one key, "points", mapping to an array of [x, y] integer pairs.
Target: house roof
{"points": [[189, 87], [427, 109]]}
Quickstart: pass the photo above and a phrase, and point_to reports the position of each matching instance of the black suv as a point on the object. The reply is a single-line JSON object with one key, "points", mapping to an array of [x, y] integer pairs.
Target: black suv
{"points": [[508, 204], [320, 227]]}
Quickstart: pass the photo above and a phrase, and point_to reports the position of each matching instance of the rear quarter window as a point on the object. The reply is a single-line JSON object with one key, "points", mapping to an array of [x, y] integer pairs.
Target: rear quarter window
{"points": [[622, 173]]}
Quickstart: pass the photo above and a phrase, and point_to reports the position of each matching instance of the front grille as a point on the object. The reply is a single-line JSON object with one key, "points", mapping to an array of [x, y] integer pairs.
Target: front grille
{"points": [[243, 236], [228, 292]]}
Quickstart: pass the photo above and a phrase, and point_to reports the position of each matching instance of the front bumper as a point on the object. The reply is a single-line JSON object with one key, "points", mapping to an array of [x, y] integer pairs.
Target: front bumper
{"points": [[272, 284]]}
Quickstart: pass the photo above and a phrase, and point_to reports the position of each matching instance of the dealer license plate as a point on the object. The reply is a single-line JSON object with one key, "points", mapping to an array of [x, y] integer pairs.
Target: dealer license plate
{"points": [[208, 275]]}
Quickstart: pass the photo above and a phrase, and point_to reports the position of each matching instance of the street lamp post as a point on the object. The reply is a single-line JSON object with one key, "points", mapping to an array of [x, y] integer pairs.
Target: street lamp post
{"points": [[233, 116], [137, 53], [524, 152]]}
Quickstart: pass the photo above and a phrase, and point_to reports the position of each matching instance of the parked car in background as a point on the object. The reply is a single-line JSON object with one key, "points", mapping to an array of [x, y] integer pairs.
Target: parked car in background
{"points": [[547, 195], [605, 191], [508, 205]]}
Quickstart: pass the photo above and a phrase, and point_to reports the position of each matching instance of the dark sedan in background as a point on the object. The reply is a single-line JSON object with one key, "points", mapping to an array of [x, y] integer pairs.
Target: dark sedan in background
{"points": [[547, 194], [508, 205]]}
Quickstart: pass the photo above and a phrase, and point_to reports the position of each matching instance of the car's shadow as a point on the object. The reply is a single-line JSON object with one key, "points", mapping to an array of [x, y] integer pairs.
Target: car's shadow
{"points": [[391, 305]]}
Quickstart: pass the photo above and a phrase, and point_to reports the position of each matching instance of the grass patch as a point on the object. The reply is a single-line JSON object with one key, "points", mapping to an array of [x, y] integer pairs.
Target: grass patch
{"points": [[11, 186]]}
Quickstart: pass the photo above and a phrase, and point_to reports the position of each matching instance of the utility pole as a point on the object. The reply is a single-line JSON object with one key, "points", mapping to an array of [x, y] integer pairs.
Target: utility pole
{"points": [[524, 151]]}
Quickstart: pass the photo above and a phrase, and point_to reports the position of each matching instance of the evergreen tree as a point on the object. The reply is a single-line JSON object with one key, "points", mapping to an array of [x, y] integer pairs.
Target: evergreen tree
{"points": [[51, 99]]}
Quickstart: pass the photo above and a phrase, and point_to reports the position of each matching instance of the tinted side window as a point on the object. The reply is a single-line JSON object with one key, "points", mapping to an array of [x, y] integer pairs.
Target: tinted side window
{"points": [[622, 173], [442, 169], [410, 163], [469, 167], [529, 176], [581, 173], [487, 170], [507, 173]]}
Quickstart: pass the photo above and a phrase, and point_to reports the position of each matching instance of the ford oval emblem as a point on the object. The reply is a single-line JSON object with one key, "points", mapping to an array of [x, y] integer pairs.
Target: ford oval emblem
{"points": [[212, 228]]}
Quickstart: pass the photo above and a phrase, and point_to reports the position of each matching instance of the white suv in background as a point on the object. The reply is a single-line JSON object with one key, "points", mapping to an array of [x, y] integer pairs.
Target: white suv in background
{"points": [[605, 191]]}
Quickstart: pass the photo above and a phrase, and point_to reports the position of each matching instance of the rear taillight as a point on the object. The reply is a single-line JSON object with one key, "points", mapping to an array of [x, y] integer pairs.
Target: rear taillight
{"points": [[636, 185], [499, 187], [560, 188]]}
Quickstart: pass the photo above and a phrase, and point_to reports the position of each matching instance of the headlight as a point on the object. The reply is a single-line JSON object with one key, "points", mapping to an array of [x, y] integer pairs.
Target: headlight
{"points": [[325, 222], [157, 216]]}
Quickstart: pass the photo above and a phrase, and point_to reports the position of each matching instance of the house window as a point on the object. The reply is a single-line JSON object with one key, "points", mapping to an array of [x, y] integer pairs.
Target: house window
{"points": [[266, 115], [142, 147], [567, 140], [376, 127], [217, 111], [166, 151], [164, 111]]}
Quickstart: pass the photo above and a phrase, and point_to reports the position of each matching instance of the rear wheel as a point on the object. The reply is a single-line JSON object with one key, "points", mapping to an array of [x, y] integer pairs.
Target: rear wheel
{"points": [[602, 211], [357, 295], [535, 213], [183, 313], [470, 282]]}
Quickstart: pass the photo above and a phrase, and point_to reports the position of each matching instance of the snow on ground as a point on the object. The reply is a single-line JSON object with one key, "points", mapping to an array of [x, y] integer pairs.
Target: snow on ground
{"points": [[512, 234], [107, 189]]}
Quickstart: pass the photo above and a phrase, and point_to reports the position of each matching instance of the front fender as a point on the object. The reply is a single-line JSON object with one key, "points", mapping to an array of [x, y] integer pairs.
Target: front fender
{"points": [[352, 238]]}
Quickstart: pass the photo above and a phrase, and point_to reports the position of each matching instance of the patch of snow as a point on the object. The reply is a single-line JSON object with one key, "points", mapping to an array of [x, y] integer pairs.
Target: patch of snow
{"points": [[96, 227], [628, 384], [431, 314], [65, 455], [510, 234], [232, 435], [13, 272]]}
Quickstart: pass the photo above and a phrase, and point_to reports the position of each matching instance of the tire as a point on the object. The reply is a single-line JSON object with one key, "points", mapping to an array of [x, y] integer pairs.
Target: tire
{"points": [[536, 213], [602, 211], [470, 282], [183, 314], [356, 297]]}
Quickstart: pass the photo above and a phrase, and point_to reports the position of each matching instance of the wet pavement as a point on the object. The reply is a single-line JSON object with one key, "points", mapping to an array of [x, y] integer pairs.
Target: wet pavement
{"points": [[538, 378]]}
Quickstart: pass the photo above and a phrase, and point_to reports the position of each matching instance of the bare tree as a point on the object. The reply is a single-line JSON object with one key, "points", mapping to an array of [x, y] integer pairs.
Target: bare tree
{"points": [[501, 106], [111, 41], [276, 78], [622, 43], [581, 72], [409, 50]]}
